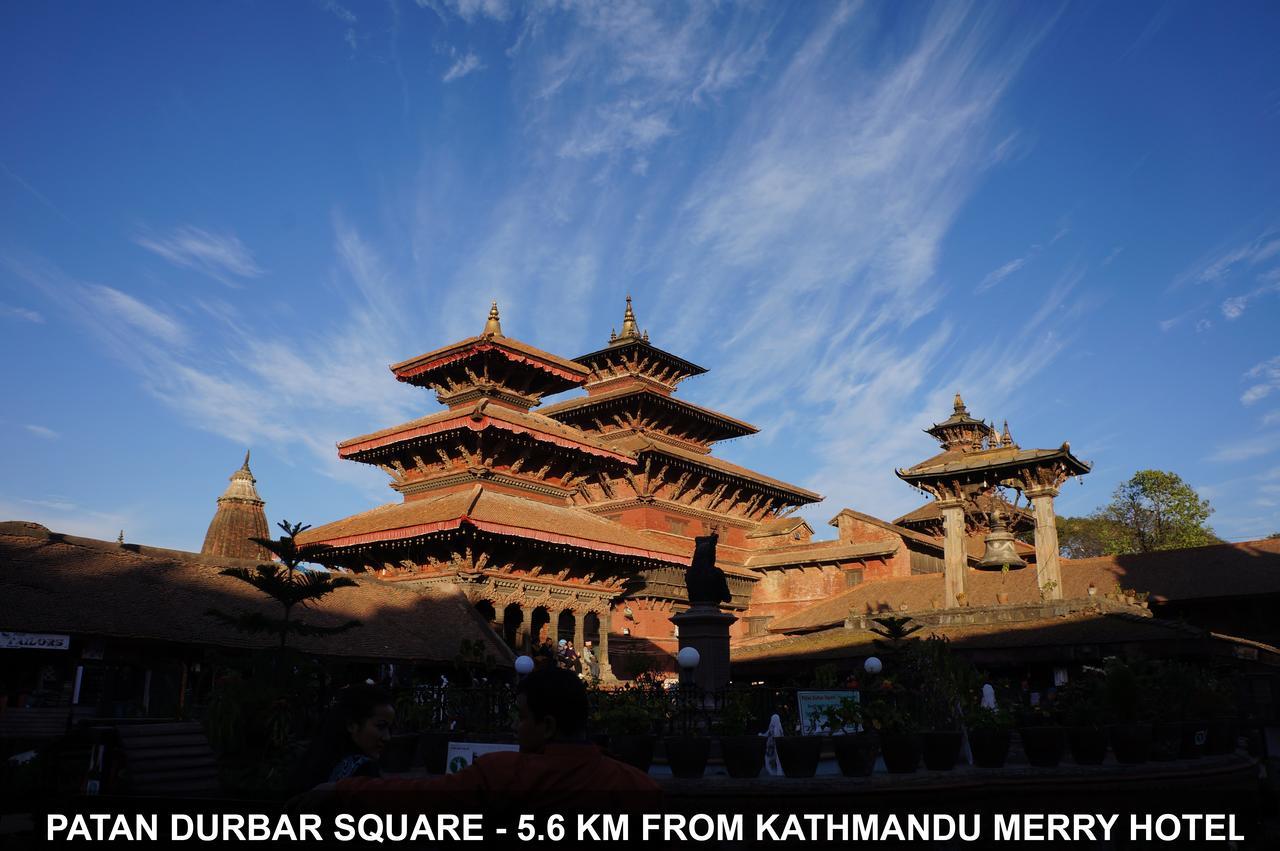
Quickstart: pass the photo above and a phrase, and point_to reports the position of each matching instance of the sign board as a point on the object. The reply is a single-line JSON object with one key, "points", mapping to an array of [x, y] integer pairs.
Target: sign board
{"points": [[33, 641], [820, 702], [462, 754]]}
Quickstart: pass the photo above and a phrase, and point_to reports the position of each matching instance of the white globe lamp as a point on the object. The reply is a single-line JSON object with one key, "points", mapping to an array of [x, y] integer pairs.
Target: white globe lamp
{"points": [[872, 665], [524, 665], [688, 658]]}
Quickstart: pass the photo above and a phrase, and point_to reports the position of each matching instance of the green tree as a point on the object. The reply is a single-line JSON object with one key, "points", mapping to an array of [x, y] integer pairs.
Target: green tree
{"points": [[289, 586], [1154, 510], [1085, 537]]}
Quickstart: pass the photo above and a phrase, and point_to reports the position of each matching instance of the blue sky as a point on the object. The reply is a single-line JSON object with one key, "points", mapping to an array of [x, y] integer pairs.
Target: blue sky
{"points": [[220, 222]]}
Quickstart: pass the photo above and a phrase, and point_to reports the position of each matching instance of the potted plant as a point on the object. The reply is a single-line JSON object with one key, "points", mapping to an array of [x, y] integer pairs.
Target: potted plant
{"points": [[855, 747], [1002, 596], [740, 745], [687, 749], [1044, 740], [629, 716], [900, 744], [1129, 731], [1084, 713], [941, 684], [990, 730], [799, 755]]}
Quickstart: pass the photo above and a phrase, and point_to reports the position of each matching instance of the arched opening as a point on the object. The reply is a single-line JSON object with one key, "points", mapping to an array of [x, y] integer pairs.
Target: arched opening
{"points": [[591, 628], [512, 619], [537, 625], [565, 627]]}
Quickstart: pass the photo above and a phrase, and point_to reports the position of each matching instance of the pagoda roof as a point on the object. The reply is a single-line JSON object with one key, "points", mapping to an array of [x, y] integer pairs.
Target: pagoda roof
{"points": [[729, 426], [823, 552], [560, 372], [636, 345], [477, 417], [1001, 458], [930, 511], [637, 444], [499, 514]]}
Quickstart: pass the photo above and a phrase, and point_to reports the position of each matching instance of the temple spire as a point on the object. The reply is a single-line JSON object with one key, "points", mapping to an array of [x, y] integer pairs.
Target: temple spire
{"points": [[492, 328], [958, 405], [630, 330], [241, 516], [1006, 438]]}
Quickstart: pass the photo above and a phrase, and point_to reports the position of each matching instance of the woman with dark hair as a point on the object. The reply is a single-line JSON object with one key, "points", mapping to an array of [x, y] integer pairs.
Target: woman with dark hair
{"points": [[352, 735]]}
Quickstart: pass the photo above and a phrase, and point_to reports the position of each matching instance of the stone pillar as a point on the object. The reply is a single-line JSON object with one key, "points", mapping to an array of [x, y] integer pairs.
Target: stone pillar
{"points": [[523, 640], [602, 652], [579, 631], [706, 629], [1048, 568], [955, 559], [553, 626]]}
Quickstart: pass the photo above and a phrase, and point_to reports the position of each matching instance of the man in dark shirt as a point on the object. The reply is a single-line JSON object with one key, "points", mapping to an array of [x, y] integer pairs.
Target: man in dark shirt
{"points": [[556, 767]]}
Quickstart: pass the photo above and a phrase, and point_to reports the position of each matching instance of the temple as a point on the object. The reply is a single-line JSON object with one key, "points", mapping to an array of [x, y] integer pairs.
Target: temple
{"points": [[576, 519], [240, 518]]}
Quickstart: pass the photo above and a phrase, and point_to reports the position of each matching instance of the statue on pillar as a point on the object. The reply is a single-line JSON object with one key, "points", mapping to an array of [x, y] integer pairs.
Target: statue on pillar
{"points": [[704, 581]]}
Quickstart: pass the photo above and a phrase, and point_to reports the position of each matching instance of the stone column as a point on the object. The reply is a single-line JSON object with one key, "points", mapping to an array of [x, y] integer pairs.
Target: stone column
{"points": [[706, 629], [1048, 568], [553, 626], [602, 652], [579, 631], [955, 559], [523, 640]]}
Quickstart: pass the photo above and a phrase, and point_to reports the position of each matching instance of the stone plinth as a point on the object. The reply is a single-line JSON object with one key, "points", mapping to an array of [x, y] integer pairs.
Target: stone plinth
{"points": [[706, 629]]}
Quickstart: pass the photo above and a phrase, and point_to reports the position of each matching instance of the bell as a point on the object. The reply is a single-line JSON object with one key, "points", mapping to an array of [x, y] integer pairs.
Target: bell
{"points": [[1000, 551]]}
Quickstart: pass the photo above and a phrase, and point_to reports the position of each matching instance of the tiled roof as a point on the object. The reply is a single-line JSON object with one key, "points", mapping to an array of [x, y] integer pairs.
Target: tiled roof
{"points": [[478, 416], [506, 345], [63, 584], [823, 552], [781, 526], [638, 443], [986, 504], [1227, 570], [497, 513], [926, 541], [730, 426], [1004, 456], [683, 367], [1075, 629]]}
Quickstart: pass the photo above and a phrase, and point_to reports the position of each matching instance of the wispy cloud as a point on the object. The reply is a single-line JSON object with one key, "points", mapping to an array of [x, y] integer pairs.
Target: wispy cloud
{"points": [[220, 256], [116, 306], [1245, 450], [1266, 379], [42, 431], [1219, 267], [21, 313], [462, 66], [996, 276]]}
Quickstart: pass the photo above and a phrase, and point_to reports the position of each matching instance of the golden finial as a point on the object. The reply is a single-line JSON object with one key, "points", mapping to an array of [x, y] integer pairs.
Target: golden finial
{"points": [[493, 328], [958, 404], [1006, 437], [628, 323], [245, 465]]}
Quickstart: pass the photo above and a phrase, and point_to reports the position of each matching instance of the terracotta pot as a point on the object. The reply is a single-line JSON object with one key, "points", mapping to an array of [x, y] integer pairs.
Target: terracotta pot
{"points": [[687, 755], [1088, 745], [901, 752], [1131, 742], [990, 746], [633, 750], [940, 748], [743, 755], [799, 755], [856, 753], [1044, 746]]}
